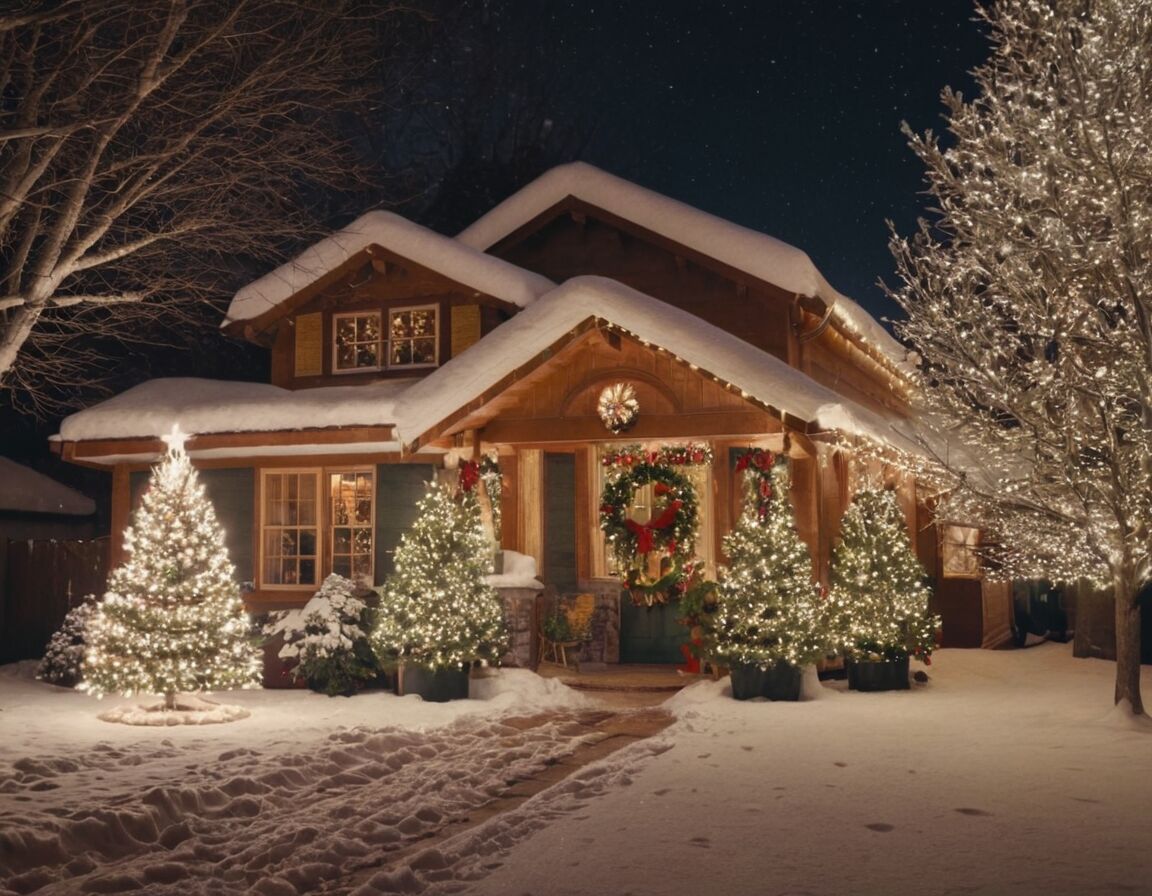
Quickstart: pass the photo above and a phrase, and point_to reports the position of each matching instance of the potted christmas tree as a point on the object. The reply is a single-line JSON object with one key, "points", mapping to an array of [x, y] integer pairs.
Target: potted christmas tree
{"points": [[878, 603], [767, 626], [172, 622], [437, 615]]}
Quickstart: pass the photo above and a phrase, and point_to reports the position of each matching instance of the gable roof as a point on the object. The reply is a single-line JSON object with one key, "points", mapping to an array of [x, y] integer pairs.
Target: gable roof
{"points": [[24, 490], [760, 376], [458, 261], [750, 251], [415, 408]]}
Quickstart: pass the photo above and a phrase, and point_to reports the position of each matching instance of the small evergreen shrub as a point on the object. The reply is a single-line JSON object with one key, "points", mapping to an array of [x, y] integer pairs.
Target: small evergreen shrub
{"points": [[328, 639], [63, 661]]}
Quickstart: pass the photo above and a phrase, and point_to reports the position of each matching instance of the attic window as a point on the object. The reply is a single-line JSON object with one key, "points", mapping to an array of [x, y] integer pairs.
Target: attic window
{"points": [[357, 341], [362, 343]]}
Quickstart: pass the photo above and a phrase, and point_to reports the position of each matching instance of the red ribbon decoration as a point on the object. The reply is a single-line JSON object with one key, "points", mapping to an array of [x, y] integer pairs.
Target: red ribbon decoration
{"points": [[469, 475], [645, 533]]}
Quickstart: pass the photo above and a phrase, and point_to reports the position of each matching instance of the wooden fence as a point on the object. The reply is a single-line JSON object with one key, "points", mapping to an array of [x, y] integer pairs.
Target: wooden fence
{"points": [[40, 581]]}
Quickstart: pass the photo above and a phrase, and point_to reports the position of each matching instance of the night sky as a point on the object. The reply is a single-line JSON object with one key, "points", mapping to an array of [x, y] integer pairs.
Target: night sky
{"points": [[781, 116]]}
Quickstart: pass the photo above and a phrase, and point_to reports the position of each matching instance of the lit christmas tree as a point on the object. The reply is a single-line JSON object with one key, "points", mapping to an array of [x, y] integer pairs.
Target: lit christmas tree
{"points": [[769, 603], [1029, 298], [172, 620], [436, 610], [878, 603]]}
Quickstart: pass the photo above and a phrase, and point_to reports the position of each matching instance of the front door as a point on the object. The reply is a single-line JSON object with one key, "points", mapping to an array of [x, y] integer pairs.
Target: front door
{"points": [[650, 634]]}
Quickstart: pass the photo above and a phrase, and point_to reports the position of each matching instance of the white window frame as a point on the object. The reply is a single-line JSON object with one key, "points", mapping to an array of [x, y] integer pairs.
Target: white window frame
{"points": [[381, 342], [324, 524], [404, 309], [266, 527]]}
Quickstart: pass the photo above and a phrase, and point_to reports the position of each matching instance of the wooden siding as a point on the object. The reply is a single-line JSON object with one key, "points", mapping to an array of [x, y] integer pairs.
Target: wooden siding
{"points": [[592, 241]]}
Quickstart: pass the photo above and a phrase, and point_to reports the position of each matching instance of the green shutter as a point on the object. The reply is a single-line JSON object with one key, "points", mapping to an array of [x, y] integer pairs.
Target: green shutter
{"points": [[233, 494], [398, 488]]}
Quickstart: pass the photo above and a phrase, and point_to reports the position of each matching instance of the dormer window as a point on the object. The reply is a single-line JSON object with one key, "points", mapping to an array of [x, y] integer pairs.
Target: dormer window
{"points": [[363, 344]]}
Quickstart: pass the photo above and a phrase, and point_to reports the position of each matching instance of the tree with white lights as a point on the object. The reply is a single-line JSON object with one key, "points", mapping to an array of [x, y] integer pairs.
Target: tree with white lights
{"points": [[878, 599], [769, 607], [436, 609], [1029, 299], [172, 620]]}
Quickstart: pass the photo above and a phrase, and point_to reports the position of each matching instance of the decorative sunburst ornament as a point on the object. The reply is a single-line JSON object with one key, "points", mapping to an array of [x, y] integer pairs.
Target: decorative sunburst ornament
{"points": [[618, 407]]}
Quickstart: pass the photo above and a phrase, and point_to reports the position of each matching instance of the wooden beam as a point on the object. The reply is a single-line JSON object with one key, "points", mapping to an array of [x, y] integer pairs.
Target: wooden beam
{"points": [[715, 424], [121, 511], [79, 451]]}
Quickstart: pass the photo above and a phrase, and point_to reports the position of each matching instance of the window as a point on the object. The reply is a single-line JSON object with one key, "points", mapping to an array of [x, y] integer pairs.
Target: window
{"points": [[305, 536], [960, 547], [290, 537], [363, 344], [603, 561], [357, 341], [412, 337], [351, 497]]}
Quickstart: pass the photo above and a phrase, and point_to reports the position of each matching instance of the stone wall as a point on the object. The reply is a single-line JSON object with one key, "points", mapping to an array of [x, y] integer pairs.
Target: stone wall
{"points": [[520, 617]]}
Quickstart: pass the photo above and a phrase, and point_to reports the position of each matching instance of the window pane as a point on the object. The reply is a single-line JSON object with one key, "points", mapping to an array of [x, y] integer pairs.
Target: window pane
{"points": [[342, 566], [401, 353], [423, 323], [289, 533], [423, 351], [307, 572]]}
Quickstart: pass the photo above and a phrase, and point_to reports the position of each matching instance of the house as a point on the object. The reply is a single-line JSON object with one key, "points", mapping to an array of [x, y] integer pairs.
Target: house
{"points": [[48, 561], [397, 351]]}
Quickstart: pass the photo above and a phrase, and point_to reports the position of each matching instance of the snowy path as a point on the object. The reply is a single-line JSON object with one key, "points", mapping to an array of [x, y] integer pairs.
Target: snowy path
{"points": [[1008, 773]]}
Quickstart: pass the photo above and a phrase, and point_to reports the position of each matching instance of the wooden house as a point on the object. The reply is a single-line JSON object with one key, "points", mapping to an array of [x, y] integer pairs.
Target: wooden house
{"points": [[397, 351]]}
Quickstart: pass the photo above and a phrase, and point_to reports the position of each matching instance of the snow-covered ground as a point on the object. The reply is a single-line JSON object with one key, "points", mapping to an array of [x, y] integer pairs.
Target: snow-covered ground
{"points": [[1006, 774]]}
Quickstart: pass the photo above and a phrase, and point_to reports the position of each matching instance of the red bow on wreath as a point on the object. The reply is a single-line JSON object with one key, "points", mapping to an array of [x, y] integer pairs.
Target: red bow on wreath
{"points": [[645, 533]]}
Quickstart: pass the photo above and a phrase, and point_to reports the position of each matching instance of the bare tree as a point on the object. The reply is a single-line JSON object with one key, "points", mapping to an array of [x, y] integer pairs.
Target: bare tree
{"points": [[148, 145], [1030, 299]]}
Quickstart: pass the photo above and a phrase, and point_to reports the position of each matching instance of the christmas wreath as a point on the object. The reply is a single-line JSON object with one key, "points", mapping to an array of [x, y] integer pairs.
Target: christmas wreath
{"points": [[653, 553], [756, 464]]}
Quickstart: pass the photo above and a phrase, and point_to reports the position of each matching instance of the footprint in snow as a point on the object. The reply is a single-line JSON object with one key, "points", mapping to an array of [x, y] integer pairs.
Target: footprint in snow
{"points": [[977, 812], [881, 827]]}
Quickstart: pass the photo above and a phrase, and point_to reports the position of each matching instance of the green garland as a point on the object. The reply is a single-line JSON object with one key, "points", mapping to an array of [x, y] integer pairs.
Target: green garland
{"points": [[671, 528]]}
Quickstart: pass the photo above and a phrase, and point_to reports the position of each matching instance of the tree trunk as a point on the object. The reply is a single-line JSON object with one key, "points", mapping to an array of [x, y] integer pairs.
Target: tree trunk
{"points": [[1128, 646], [170, 700]]}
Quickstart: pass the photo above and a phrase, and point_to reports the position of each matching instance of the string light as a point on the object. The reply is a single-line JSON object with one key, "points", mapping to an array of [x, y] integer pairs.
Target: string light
{"points": [[172, 620]]}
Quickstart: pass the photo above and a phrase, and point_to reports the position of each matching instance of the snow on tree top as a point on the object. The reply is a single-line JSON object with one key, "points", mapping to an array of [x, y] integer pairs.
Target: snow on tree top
{"points": [[755, 253], [24, 490], [456, 260]]}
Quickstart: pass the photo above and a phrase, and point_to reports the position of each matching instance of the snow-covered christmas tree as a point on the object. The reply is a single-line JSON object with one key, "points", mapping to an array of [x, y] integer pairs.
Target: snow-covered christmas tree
{"points": [[436, 610], [327, 641], [63, 660], [878, 601], [172, 621], [769, 604], [1029, 299]]}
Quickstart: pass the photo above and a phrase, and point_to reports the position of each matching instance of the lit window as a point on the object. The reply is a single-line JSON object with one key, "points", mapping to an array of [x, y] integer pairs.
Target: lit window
{"points": [[351, 517], [960, 546], [357, 341], [641, 508], [303, 538], [412, 337], [362, 344], [290, 538]]}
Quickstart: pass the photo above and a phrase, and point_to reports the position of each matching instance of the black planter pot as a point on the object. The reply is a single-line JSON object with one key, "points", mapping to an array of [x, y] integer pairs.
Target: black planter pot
{"points": [[878, 675], [778, 682], [434, 685]]}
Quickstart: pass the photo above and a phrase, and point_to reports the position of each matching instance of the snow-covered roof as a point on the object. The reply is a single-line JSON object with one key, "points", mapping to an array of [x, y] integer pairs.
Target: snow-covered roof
{"points": [[414, 407], [453, 259], [24, 490], [760, 376], [755, 253], [216, 406]]}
